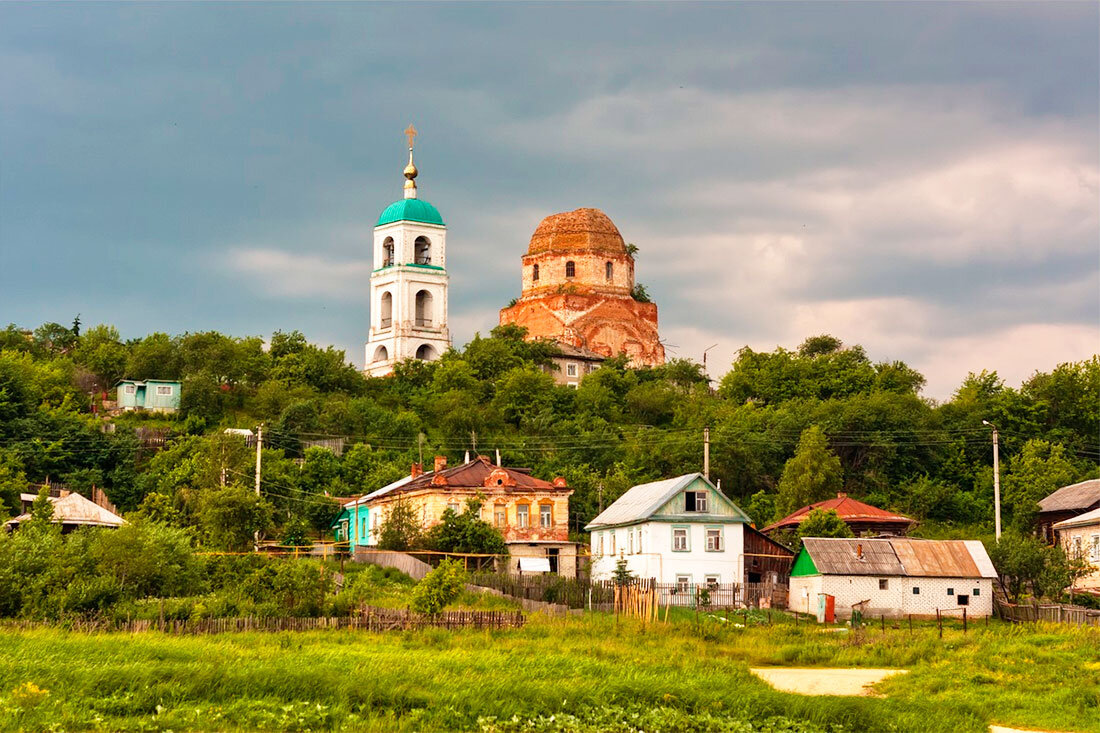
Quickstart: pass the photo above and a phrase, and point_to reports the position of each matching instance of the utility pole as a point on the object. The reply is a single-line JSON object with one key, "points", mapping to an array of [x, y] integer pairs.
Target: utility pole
{"points": [[705, 361], [420, 447], [706, 453], [996, 479], [599, 493], [259, 459]]}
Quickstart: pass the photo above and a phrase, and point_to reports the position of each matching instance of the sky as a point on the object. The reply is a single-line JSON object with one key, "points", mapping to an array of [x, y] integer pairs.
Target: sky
{"points": [[921, 179]]}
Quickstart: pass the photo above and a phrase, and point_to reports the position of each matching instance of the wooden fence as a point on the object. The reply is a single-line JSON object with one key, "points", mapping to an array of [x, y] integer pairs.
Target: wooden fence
{"points": [[1058, 613], [548, 588], [369, 619]]}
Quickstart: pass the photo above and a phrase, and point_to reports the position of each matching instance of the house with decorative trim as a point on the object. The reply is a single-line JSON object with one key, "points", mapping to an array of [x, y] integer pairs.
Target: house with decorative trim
{"points": [[893, 577], [682, 530], [532, 514]]}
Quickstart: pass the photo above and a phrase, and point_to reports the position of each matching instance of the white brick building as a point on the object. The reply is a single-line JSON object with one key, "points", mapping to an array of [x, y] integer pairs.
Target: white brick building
{"points": [[1080, 537], [895, 576]]}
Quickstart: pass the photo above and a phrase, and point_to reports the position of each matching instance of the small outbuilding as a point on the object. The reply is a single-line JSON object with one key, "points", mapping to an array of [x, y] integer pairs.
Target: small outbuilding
{"points": [[893, 576], [155, 395], [72, 511]]}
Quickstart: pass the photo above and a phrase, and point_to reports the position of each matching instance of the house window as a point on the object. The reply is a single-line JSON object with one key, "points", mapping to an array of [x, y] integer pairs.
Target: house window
{"points": [[695, 501], [521, 515], [164, 389], [500, 515], [571, 370], [1094, 548], [714, 539], [916, 591], [639, 542], [453, 506], [950, 591], [129, 389], [683, 583], [546, 515], [679, 539], [1076, 545], [535, 273], [612, 542], [630, 543], [609, 271], [711, 581], [570, 269], [977, 592], [883, 584], [964, 600], [601, 543]]}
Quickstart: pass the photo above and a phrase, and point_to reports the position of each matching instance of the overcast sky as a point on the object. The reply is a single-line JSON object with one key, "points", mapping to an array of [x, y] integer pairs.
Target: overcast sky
{"points": [[921, 179]]}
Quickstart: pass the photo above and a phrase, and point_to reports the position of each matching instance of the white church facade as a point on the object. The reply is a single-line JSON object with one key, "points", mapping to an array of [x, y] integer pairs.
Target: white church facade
{"points": [[408, 293]]}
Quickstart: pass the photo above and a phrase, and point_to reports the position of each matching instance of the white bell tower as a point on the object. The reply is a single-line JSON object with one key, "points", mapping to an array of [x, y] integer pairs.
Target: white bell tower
{"points": [[408, 286]]}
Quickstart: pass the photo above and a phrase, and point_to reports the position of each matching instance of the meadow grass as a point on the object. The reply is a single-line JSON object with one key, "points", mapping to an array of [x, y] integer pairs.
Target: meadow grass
{"points": [[589, 673]]}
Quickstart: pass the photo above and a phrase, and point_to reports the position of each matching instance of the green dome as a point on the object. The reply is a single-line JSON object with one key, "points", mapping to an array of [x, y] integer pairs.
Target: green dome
{"points": [[410, 210]]}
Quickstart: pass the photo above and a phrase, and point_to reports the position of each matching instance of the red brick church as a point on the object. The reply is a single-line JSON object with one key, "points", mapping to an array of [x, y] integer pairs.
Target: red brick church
{"points": [[578, 283]]}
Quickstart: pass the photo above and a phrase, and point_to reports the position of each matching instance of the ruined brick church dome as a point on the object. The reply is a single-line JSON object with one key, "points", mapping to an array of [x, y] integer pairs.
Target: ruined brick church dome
{"points": [[576, 231]]}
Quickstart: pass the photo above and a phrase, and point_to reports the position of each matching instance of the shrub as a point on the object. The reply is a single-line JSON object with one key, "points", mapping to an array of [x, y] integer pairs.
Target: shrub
{"points": [[439, 587]]}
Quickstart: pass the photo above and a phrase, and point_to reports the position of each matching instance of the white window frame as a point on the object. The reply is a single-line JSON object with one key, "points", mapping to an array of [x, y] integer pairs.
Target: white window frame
{"points": [[701, 502], [571, 369], [630, 543], [129, 389], [683, 583], [686, 536], [1094, 548], [500, 515], [546, 516], [523, 516], [453, 506], [612, 542], [639, 541], [712, 581], [719, 544], [600, 553], [164, 390]]}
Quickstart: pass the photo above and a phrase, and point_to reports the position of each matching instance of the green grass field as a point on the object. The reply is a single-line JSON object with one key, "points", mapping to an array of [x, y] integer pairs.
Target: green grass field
{"points": [[579, 674]]}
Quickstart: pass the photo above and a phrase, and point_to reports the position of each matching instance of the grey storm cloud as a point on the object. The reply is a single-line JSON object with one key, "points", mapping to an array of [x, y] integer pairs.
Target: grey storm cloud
{"points": [[918, 177]]}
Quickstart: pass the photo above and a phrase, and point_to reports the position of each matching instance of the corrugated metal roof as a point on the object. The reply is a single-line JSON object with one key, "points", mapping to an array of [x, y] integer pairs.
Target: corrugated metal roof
{"points": [[1083, 495], [639, 502], [1081, 520], [847, 508], [75, 509], [900, 556]]}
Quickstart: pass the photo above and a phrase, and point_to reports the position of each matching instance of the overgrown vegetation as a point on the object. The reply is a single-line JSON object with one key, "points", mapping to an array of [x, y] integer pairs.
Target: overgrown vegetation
{"points": [[683, 676], [786, 427]]}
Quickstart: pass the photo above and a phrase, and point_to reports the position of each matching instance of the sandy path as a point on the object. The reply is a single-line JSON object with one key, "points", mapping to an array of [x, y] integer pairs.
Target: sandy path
{"points": [[824, 681]]}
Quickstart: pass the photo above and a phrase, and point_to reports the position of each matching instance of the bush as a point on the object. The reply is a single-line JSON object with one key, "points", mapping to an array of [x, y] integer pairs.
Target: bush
{"points": [[439, 587]]}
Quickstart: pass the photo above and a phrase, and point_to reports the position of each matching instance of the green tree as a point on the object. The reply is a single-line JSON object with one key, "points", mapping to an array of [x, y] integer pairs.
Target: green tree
{"points": [[439, 587], [822, 523], [466, 533], [101, 350], [813, 474], [13, 482], [1037, 471], [231, 517], [1020, 560], [761, 508], [400, 529]]}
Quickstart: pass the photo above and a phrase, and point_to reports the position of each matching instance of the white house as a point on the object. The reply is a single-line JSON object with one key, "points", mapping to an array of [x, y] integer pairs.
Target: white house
{"points": [[1080, 537], [895, 576], [681, 530]]}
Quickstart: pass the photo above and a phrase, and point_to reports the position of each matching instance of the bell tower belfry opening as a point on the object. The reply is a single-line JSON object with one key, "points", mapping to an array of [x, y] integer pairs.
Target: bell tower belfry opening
{"points": [[408, 285]]}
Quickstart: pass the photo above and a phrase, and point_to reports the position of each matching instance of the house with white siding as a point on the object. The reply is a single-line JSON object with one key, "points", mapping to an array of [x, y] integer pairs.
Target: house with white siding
{"points": [[893, 577], [1080, 537], [682, 530]]}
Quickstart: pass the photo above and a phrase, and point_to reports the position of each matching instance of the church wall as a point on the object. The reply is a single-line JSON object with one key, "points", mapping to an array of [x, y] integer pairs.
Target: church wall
{"points": [[590, 273]]}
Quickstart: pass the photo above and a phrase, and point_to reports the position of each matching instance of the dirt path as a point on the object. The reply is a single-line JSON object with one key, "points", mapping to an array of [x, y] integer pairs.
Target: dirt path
{"points": [[856, 681]]}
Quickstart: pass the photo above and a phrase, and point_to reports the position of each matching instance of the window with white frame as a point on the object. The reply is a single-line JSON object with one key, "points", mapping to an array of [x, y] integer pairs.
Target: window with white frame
{"points": [[521, 515], [630, 543], [129, 389], [695, 501], [1094, 548], [546, 516], [1075, 547], [639, 545], [711, 581], [714, 540], [571, 370], [612, 542], [680, 539], [453, 506], [500, 515], [601, 544], [683, 583], [164, 390]]}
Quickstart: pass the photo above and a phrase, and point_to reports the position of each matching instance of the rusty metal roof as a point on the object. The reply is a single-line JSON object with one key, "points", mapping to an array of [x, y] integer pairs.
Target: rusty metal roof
{"points": [[848, 509], [900, 556]]}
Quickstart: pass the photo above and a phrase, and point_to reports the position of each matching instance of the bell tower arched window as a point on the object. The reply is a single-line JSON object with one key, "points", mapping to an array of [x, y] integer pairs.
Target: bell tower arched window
{"points": [[387, 252], [424, 309], [535, 273], [570, 269], [386, 319], [422, 251]]}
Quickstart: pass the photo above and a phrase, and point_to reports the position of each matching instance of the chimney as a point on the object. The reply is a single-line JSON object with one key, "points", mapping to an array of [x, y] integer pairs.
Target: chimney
{"points": [[440, 463], [841, 495], [467, 458], [417, 469], [859, 550], [498, 457]]}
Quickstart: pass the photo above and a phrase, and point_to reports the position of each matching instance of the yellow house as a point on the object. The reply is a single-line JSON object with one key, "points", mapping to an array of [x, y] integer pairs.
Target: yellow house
{"points": [[531, 514]]}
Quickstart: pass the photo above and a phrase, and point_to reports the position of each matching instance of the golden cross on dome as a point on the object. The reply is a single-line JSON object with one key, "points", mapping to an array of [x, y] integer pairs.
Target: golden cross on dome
{"points": [[410, 133]]}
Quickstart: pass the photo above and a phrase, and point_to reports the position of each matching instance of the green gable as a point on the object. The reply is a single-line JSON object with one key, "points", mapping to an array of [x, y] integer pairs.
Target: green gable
{"points": [[803, 565], [410, 210], [719, 506]]}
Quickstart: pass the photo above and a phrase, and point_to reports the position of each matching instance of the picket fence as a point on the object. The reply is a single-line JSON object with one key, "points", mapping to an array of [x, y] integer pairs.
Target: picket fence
{"points": [[370, 618]]}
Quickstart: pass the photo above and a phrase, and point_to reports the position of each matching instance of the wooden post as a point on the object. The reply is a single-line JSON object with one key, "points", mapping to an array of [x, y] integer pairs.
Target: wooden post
{"points": [[882, 621], [939, 622], [964, 619], [910, 623]]}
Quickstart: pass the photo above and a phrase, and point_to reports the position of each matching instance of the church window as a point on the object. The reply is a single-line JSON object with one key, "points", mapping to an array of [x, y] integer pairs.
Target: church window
{"points": [[609, 270], [535, 273], [422, 251], [380, 354], [387, 252], [570, 269], [425, 353], [424, 309], [386, 319]]}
